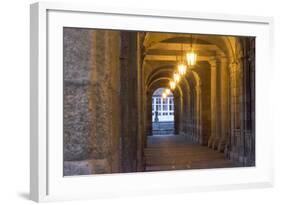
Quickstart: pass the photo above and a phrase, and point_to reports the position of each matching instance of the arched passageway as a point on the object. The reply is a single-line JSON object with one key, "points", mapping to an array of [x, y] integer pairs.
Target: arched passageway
{"points": [[110, 78], [209, 99], [162, 113]]}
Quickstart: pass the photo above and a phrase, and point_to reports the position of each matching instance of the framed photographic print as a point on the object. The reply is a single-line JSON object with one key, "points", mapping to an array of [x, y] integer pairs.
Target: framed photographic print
{"points": [[127, 102]]}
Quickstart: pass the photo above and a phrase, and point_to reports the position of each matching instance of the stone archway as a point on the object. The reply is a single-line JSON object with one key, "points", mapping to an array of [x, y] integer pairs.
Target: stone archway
{"points": [[111, 87], [214, 114], [162, 113]]}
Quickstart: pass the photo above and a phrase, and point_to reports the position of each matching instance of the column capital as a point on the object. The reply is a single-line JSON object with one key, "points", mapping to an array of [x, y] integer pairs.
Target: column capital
{"points": [[218, 60], [198, 88], [213, 63], [233, 65], [224, 60]]}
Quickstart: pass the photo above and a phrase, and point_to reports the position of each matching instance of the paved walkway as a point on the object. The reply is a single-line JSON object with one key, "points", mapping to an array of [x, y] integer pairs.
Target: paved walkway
{"points": [[162, 128], [173, 152]]}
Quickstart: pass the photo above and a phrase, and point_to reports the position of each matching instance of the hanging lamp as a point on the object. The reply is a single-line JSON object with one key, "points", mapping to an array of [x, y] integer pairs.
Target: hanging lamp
{"points": [[181, 64], [191, 56], [172, 85]]}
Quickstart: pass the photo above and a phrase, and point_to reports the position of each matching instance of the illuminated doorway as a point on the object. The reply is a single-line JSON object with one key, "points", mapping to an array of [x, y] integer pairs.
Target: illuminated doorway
{"points": [[162, 113]]}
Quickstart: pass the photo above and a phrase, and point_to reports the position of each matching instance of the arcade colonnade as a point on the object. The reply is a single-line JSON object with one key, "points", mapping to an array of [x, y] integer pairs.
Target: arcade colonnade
{"points": [[116, 73]]}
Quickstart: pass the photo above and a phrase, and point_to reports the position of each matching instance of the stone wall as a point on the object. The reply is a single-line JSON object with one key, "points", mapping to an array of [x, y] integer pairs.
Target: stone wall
{"points": [[195, 120], [100, 101], [104, 98], [77, 120], [129, 104], [242, 140], [204, 73]]}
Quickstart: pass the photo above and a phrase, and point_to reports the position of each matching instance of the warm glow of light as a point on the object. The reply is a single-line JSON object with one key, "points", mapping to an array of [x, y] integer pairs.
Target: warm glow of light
{"points": [[167, 91], [172, 85], [191, 58], [177, 77], [164, 95], [182, 68]]}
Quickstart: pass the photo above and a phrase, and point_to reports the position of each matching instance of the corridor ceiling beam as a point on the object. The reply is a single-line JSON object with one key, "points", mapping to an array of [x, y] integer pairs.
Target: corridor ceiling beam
{"points": [[186, 46], [179, 52], [172, 58]]}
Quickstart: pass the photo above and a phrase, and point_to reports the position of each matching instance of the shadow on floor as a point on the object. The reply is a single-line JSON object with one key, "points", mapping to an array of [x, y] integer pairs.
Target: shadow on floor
{"points": [[175, 152]]}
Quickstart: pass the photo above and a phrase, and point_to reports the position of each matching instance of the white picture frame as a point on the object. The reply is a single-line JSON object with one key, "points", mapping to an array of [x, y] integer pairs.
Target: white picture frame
{"points": [[46, 179]]}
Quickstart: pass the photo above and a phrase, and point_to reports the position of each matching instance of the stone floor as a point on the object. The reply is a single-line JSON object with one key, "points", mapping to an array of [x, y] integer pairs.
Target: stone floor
{"points": [[162, 128], [173, 152]]}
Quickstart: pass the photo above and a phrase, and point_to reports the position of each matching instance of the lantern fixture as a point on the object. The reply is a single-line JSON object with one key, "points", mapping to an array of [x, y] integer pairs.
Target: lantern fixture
{"points": [[177, 77], [182, 68], [167, 91], [172, 85], [191, 56], [181, 64]]}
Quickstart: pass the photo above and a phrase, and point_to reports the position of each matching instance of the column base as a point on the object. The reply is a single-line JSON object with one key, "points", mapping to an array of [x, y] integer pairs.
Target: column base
{"points": [[86, 167], [221, 145], [210, 142], [241, 160], [233, 156], [215, 143]]}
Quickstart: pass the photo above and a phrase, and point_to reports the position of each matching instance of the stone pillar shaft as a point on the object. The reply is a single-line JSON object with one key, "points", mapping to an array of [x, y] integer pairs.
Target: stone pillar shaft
{"points": [[215, 105], [224, 81], [235, 110], [104, 96]]}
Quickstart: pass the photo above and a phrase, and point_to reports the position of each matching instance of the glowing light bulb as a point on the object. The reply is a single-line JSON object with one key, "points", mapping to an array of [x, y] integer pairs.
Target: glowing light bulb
{"points": [[167, 91], [172, 85], [164, 95], [191, 58], [177, 77], [182, 68]]}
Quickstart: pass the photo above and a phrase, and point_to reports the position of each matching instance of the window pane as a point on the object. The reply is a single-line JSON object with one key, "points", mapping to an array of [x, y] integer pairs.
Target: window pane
{"points": [[158, 100], [171, 107], [171, 101]]}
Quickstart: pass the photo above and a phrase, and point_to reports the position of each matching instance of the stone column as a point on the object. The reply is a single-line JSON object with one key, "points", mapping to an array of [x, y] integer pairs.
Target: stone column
{"points": [[224, 104], [206, 115], [76, 118], [217, 105], [243, 108], [177, 113], [141, 103], [187, 113], [184, 114], [235, 110], [149, 113], [181, 116], [252, 104], [215, 102], [193, 115], [104, 102], [129, 100], [91, 106], [245, 145], [198, 115]]}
